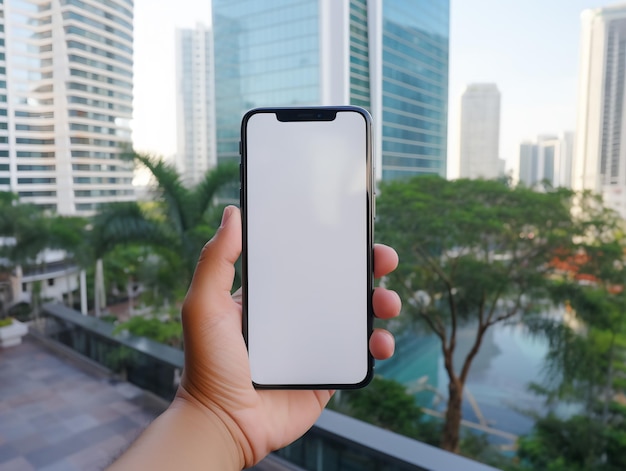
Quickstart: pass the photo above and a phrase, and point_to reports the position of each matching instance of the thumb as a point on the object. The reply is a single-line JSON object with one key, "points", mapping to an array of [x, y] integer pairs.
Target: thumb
{"points": [[215, 270]]}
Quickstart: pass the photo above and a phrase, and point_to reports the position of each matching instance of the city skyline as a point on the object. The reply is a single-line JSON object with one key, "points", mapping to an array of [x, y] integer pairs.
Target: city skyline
{"points": [[548, 158], [536, 73]]}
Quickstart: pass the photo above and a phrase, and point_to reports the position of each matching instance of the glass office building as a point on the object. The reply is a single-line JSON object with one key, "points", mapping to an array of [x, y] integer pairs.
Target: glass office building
{"points": [[360, 89], [266, 54], [389, 56], [415, 36]]}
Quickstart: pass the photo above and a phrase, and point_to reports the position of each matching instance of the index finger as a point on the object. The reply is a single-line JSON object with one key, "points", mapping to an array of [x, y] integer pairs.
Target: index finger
{"points": [[385, 260]]}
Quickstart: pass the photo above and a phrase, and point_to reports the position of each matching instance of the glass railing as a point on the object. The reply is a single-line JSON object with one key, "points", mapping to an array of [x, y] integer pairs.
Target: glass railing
{"points": [[148, 364], [335, 443], [340, 443]]}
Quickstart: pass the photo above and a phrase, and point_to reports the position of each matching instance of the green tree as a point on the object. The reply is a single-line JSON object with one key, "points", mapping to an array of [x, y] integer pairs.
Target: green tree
{"points": [[124, 267], [22, 227], [26, 231], [176, 225], [473, 253], [576, 443], [70, 234], [168, 331], [386, 404], [21, 231], [586, 357]]}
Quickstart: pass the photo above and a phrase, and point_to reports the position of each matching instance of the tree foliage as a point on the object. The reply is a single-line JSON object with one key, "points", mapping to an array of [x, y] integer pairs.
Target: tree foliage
{"points": [[586, 358], [386, 404], [473, 253], [33, 230], [176, 225], [26, 230], [168, 331], [23, 228], [574, 444]]}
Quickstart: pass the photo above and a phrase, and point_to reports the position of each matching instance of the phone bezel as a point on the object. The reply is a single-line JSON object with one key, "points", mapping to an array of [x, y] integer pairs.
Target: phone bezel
{"points": [[317, 113]]}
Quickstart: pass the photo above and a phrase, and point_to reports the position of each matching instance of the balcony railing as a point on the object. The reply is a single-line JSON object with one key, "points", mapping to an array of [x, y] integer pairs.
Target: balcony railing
{"points": [[335, 443], [340, 443], [148, 364]]}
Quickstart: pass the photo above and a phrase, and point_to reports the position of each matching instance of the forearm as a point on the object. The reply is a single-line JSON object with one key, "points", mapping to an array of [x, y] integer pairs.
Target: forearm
{"points": [[183, 437]]}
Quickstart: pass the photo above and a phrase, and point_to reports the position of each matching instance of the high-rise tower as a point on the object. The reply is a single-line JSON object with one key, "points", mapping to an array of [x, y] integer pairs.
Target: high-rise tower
{"points": [[600, 151], [548, 160], [480, 132], [67, 77], [389, 56], [195, 103]]}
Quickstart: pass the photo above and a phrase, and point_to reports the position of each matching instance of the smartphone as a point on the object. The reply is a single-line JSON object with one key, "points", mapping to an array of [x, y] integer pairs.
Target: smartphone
{"points": [[307, 263]]}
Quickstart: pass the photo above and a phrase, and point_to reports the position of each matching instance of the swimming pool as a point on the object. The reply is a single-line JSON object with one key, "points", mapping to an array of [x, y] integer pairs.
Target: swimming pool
{"points": [[508, 361]]}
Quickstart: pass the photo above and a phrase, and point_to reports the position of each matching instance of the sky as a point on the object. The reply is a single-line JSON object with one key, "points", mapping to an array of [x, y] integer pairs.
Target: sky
{"points": [[528, 48]]}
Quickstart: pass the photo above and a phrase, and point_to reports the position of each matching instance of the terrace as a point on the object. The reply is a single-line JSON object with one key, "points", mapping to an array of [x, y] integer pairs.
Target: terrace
{"points": [[64, 407]]}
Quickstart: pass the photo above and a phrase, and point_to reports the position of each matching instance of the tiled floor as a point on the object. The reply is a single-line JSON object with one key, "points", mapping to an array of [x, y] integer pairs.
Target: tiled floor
{"points": [[56, 417], [53, 416]]}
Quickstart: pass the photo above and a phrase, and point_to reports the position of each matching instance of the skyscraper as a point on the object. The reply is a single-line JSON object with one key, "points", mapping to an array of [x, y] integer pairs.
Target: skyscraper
{"points": [[549, 159], [66, 78], [480, 132], [563, 160], [600, 155], [388, 56], [195, 103], [528, 163]]}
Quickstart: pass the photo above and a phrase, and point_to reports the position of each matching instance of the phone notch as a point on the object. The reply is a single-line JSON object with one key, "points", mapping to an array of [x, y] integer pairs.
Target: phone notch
{"points": [[306, 114]]}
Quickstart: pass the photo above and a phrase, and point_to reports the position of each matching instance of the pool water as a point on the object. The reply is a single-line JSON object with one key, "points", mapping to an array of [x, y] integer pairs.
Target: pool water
{"points": [[508, 361]]}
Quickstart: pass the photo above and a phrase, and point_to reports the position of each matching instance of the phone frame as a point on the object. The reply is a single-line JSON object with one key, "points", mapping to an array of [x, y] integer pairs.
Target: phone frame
{"points": [[314, 113]]}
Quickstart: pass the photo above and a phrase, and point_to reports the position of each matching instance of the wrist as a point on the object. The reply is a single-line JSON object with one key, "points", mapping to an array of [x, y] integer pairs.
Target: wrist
{"points": [[220, 440], [186, 436]]}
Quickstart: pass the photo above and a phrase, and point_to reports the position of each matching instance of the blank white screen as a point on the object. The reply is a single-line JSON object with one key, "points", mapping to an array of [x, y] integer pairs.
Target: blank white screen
{"points": [[307, 250]]}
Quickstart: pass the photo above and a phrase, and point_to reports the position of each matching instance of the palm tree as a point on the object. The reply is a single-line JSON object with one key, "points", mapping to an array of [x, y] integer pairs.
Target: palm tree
{"points": [[21, 227], [70, 234], [177, 225], [22, 238], [26, 231]]}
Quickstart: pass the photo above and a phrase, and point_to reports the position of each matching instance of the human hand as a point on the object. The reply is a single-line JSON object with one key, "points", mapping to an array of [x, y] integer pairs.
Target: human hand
{"points": [[216, 379]]}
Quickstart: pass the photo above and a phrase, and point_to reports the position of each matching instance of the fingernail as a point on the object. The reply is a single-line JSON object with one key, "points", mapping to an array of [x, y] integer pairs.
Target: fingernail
{"points": [[225, 215]]}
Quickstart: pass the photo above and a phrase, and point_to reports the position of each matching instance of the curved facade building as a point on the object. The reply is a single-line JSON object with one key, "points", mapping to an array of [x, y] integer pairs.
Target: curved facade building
{"points": [[69, 86]]}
